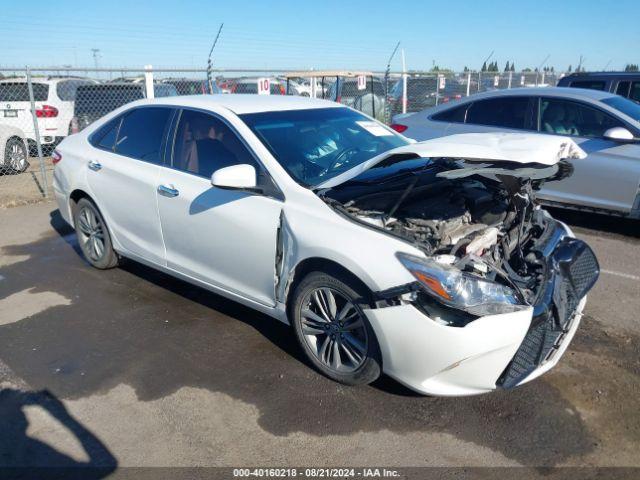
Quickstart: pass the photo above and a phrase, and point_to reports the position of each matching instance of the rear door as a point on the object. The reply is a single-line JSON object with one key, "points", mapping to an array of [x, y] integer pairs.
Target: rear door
{"points": [[123, 174], [608, 177]]}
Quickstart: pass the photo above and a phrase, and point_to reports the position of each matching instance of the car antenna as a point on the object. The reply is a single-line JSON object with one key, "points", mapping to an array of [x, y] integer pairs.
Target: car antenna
{"points": [[388, 71], [209, 63]]}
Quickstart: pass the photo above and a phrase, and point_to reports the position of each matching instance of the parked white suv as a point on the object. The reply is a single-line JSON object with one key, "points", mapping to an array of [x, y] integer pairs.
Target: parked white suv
{"points": [[54, 98]]}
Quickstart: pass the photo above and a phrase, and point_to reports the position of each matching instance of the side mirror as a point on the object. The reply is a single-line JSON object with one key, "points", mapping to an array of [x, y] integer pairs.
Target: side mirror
{"points": [[619, 134], [235, 177]]}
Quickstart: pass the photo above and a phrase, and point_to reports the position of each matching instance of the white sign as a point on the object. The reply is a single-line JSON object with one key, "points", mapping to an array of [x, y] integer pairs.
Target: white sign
{"points": [[264, 86], [496, 80], [362, 82], [441, 82], [521, 79], [374, 128]]}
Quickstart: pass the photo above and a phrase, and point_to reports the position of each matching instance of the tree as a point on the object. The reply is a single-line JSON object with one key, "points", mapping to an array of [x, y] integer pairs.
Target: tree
{"points": [[569, 69], [466, 69], [513, 67], [484, 67], [631, 67], [507, 67]]}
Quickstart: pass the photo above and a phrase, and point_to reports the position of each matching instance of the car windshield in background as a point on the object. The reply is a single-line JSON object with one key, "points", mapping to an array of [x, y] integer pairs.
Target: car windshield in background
{"points": [[318, 144], [19, 92], [629, 108]]}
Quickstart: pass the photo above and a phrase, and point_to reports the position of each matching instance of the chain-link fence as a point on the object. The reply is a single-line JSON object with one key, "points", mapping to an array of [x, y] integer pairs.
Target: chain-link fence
{"points": [[39, 107]]}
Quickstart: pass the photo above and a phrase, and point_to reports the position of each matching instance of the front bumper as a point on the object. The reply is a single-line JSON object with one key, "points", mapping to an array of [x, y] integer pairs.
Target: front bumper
{"points": [[498, 351]]}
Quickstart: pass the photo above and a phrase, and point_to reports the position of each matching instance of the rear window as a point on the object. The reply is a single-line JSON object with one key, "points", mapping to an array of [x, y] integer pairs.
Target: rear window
{"points": [[589, 84], [455, 115], [19, 92], [142, 132], [508, 112]]}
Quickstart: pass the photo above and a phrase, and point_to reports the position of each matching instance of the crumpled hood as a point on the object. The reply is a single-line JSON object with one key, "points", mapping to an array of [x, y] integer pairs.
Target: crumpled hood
{"points": [[492, 148]]}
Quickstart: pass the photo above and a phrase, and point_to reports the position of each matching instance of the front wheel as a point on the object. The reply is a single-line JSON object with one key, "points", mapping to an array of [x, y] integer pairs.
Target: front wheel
{"points": [[93, 236], [332, 329]]}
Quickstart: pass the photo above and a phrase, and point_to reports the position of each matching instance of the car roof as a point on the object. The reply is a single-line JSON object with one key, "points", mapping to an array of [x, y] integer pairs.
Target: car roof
{"points": [[244, 103], [577, 93]]}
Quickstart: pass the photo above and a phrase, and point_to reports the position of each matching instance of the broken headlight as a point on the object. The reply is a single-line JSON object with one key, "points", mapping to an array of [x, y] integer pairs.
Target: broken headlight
{"points": [[460, 290]]}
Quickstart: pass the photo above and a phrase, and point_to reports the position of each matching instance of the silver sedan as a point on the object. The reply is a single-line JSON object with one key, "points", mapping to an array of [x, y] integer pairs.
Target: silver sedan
{"points": [[605, 126]]}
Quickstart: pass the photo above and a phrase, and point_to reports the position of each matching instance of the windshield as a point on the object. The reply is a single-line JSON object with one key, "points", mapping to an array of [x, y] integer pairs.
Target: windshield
{"points": [[624, 105], [318, 144]]}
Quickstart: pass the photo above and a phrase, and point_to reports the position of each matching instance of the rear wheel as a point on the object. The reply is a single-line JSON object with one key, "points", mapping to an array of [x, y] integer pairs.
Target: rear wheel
{"points": [[332, 329], [93, 236], [16, 156]]}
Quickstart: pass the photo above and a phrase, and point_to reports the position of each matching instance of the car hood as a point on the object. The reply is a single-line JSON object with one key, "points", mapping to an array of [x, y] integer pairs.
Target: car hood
{"points": [[491, 153]]}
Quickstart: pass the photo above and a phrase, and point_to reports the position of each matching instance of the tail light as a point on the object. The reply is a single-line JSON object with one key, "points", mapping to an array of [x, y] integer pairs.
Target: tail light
{"points": [[74, 127], [339, 99], [234, 87], [398, 127], [56, 156], [47, 111]]}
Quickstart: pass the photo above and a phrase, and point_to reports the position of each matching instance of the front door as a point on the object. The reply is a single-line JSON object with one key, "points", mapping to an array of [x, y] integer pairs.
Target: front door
{"points": [[608, 178], [226, 238]]}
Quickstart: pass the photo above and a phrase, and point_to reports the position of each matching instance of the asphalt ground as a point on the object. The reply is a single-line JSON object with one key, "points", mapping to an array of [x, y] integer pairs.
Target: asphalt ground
{"points": [[130, 367]]}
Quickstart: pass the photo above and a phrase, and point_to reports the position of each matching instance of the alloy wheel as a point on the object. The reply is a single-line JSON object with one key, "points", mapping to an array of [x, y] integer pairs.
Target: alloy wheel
{"points": [[17, 156], [91, 233], [334, 329]]}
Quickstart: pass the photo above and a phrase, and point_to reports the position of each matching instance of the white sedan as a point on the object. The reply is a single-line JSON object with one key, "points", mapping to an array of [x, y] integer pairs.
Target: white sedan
{"points": [[430, 262]]}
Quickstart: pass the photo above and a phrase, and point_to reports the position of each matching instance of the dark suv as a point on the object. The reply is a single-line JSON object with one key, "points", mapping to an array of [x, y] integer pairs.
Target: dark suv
{"points": [[626, 84], [95, 101]]}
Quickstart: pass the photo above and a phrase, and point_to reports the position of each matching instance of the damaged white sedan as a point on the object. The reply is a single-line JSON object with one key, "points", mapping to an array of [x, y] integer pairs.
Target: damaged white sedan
{"points": [[430, 262]]}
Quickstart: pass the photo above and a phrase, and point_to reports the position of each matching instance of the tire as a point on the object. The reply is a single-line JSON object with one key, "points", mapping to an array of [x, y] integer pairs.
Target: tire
{"points": [[348, 333], [16, 155], [93, 236]]}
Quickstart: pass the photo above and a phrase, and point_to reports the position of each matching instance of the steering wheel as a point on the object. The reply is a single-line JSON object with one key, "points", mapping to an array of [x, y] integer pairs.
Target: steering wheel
{"points": [[339, 157]]}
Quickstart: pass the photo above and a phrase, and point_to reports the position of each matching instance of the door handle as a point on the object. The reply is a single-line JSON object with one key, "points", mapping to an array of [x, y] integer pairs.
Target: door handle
{"points": [[168, 191], [95, 166]]}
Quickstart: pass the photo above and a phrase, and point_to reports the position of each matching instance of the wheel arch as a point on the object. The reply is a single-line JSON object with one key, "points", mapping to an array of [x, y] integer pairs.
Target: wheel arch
{"points": [[325, 265]]}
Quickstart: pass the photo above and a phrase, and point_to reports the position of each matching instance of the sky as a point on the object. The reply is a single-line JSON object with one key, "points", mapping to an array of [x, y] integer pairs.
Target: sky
{"points": [[346, 34]]}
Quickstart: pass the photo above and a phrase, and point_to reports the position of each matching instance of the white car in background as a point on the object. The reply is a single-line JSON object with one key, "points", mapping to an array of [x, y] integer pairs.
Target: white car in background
{"points": [[428, 261], [53, 97]]}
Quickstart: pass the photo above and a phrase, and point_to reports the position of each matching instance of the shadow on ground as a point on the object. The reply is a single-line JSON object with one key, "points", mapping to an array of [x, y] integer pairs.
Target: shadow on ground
{"points": [[22, 456], [139, 327]]}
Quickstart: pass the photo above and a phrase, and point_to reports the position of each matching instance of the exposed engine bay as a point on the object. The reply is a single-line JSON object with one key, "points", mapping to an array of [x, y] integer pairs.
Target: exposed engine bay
{"points": [[485, 222]]}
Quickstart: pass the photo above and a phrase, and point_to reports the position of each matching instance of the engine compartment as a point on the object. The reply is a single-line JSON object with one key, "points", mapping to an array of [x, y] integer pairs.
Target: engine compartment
{"points": [[490, 227]]}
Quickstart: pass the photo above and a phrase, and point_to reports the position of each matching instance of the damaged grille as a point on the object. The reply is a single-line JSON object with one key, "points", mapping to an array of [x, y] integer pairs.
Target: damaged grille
{"points": [[573, 272]]}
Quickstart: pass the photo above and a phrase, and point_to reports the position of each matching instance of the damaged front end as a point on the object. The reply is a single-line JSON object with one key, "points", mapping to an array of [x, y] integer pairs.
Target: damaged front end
{"points": [[488, 247]]}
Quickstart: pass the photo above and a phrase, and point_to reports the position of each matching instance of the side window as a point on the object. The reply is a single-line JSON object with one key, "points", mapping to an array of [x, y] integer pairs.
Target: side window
{"points": [[508, 112], [142, 132], [634, 94], [455, 115], [105, 136], [589, 84], [204, 144], [623, 89], [565, 117]]}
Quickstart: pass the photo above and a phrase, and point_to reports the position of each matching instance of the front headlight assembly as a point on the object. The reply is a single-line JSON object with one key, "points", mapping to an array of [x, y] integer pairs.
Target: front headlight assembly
{"points": [[460, 290]]}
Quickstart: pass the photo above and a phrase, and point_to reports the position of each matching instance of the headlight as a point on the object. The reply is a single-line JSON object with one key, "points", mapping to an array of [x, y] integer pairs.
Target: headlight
{"points": [[460, 290]]}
